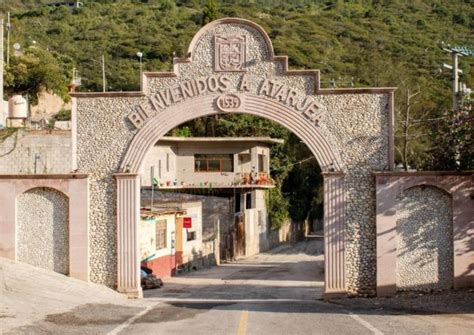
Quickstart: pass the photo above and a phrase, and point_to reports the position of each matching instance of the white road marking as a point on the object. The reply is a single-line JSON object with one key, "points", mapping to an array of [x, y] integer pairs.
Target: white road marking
{"points": [[130, 321], [366, 324]]}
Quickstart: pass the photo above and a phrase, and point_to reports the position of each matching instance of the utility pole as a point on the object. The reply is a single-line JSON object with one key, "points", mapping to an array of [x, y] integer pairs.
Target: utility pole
{"points": [[455, 53], [103, 74], [9, 26]]}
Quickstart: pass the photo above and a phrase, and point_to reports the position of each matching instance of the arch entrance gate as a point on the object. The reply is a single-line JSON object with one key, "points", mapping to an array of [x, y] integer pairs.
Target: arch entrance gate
{"points": [[231, 68]]}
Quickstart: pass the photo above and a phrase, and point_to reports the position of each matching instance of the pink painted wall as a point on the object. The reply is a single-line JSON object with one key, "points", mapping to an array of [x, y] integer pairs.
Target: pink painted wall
{"points": [[76, 188], [163, 267], [460, 186]]}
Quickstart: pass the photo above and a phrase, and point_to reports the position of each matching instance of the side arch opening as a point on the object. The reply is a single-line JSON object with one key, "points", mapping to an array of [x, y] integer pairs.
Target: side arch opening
{"points": [[424, 227], [43, 229]]}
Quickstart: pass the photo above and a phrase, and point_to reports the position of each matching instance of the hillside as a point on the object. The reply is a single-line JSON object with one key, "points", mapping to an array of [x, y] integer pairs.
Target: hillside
{"points": [[354, 43]]}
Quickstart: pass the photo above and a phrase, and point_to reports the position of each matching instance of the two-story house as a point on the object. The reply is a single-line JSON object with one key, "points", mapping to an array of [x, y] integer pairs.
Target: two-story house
{"points": [[229, 175]]}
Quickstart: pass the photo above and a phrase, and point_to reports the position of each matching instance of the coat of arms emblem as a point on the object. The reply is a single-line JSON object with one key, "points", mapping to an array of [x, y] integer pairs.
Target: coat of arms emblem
{"points": [[229, 52]]}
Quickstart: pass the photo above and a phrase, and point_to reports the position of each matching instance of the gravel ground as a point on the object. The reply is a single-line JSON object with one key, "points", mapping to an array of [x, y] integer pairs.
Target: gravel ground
{"points": [[444, 302]]}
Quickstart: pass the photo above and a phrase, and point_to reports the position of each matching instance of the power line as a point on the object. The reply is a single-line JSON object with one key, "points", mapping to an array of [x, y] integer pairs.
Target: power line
{"points": [[299, 162]]}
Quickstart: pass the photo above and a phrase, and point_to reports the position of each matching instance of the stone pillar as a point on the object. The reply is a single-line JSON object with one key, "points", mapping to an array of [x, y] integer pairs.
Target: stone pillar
{"points": [[128, 216], [334, 241]]}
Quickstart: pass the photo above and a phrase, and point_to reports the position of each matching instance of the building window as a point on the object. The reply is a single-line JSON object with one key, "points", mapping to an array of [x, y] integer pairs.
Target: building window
{"points": [[190, 235], [160, 234], [237, 203], [213, 163], [248, 201], [261, 159]]}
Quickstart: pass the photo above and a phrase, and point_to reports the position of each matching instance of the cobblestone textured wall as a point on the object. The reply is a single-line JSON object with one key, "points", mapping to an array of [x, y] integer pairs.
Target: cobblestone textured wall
{"points": [[356, 127], [43, 229], [425, 240], [51, 149]]}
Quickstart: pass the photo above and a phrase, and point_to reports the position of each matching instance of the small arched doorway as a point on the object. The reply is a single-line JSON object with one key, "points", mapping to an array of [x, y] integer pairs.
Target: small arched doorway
{"points": [[425, 257], [43, 229]]}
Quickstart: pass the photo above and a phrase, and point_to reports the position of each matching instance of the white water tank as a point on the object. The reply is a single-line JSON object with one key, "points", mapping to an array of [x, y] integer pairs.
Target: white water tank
{"points": [[17, 107]]}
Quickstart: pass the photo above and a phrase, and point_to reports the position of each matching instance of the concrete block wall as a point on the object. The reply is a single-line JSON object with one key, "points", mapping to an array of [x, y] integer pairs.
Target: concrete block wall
{"points": [[40, 152]]}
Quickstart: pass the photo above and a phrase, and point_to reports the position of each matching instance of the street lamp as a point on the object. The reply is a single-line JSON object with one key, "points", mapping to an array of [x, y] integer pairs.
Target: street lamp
{"points": [[140, 56]]}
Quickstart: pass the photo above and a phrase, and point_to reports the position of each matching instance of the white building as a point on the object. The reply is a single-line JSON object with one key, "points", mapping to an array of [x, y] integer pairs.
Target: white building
{"points": [[233, 168]]}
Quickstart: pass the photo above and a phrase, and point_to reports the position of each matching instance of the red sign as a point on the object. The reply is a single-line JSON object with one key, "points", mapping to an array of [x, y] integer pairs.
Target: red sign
{"points": [[187, 222]]}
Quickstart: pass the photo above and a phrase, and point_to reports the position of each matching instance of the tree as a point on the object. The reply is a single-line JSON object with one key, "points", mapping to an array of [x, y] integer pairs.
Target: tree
{"points": [[406, 124], [453, 141], [210, 12], [33, 72]]}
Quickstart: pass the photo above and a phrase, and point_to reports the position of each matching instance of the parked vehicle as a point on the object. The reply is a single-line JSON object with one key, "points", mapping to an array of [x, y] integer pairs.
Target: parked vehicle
{"points": [[148, 279]]}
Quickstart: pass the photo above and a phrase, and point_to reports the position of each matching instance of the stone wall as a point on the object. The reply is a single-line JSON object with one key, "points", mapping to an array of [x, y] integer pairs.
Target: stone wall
{"points": [[289, 232], [206, 257], [425, 239], [30, 151], [424, 226], [43, 229]]}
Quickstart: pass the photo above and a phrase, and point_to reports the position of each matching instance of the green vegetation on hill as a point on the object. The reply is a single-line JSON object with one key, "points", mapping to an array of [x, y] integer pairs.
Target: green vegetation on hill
{"points": [[353, 42]]}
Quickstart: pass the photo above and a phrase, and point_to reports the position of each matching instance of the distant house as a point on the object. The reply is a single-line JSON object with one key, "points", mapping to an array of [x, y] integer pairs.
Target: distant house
{"points": [[228, 175], [171, 238], [209, 162]]}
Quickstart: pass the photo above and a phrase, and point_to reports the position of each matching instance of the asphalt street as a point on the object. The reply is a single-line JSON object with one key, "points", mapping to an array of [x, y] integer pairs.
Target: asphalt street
{"points": [[273, 293]]}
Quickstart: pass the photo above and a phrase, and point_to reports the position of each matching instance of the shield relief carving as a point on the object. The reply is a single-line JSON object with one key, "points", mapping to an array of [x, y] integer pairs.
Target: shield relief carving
{"points": [[230, 52]]}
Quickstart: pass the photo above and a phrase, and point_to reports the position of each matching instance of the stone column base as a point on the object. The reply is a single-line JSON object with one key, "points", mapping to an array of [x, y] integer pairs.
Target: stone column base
{"points": [[131, 293]]}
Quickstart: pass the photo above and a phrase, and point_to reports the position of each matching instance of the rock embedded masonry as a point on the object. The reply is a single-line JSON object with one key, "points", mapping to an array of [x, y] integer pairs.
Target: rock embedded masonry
{"points": [[270, 88]]}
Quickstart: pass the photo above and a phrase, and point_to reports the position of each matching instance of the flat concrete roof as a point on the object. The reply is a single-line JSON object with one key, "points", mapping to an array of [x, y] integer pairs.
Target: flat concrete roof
{"points": [[222, 139]]}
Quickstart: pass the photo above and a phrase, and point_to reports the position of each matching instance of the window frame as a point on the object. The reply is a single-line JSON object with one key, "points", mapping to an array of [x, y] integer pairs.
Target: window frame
{"points": [[207, 159], [192, 233], [161, 232]]}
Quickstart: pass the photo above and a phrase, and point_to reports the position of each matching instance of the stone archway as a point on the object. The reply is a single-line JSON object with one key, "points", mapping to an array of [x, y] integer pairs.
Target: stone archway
{"points": [[128, 183], [231, 67]]}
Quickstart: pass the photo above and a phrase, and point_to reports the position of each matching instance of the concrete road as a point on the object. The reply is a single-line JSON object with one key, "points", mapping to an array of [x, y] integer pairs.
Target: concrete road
{"points": [[272, 293], [291, 272]]}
